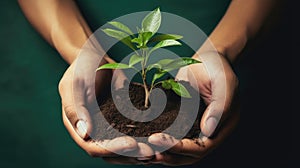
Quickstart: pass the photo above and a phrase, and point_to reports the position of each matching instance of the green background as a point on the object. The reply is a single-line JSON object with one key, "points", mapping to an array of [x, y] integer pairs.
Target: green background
{"points": [[32, 132]]}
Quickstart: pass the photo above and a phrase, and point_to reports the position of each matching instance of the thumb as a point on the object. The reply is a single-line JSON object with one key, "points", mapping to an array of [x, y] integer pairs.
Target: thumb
{"points": [[210, 119], [221, 103], [222, 92], [72, 91], [119, 78], [223, 83]]}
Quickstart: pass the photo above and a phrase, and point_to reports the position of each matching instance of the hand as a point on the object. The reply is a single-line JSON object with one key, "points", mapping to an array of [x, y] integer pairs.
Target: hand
{"points": [[217, 84], [77, 90]]}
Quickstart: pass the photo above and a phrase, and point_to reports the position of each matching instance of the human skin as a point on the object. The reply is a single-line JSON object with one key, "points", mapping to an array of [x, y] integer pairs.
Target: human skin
{"points": [[240, 23], [244, 17], [58, 30]]}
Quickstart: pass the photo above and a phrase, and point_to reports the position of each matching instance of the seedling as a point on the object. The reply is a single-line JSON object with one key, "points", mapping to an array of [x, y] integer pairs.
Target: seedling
{"points": [[139, 43]]}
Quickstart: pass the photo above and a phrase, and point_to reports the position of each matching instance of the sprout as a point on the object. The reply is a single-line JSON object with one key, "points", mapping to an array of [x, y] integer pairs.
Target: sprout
{"points": [[139, 44]]}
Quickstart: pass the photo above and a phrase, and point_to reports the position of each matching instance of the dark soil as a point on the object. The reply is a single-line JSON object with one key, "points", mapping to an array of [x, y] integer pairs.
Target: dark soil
{"points": [[103, 130]]}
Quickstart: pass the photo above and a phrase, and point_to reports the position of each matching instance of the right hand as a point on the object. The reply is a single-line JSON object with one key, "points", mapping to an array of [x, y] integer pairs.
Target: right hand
{"points": [[77, 90], [217, 85]]}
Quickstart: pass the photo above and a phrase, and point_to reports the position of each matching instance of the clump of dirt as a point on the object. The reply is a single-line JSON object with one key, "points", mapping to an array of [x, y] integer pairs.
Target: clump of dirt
{"points": [[110, 113]]}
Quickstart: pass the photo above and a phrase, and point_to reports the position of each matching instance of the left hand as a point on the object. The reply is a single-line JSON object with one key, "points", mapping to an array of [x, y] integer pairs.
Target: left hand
{"points": [[217, 84], [79, 88]]}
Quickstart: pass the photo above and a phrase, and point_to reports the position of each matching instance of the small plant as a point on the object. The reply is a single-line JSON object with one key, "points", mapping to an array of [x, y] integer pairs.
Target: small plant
{"points": [[140, 45]]}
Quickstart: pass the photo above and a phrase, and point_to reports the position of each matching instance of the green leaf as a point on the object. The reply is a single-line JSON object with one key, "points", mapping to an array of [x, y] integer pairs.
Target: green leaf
{"points": [[123, 37], [165, 43], [127, 41], [138, 41], [139, 30], [152, 21], [166, 84], [114, 66], [142, 39], [163, 37], [179, 63], [121, 26], [146, 37], [164, 62], [115, 33], [158, 75], [179, 89], [134, 59], [151, 66], [159, 64]]}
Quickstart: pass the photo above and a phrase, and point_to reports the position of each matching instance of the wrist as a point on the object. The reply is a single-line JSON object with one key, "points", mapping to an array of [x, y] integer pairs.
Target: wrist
{"points": [[203, 53], [229, 46], [69, 41]]}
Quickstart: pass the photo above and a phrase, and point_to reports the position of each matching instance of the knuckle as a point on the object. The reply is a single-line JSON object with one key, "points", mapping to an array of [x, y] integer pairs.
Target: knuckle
{"points": [[71, 114], [69, 110]]}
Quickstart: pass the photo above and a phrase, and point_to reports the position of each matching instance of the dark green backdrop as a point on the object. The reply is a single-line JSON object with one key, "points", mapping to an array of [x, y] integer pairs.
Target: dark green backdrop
{"points": [[32, 132]]}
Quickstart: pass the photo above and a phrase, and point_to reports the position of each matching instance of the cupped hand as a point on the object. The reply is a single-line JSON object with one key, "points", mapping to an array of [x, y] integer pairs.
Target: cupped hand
{"points": [[78, 89], [217, 85]]}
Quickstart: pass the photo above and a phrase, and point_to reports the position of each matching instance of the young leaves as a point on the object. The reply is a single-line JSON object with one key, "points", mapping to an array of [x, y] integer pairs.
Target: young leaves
{"points": [[142, 39], [163, 37], [167, 65], [178, 88], [114, 66], [152, 21], [119, 35], [160, 64], [158, 75], [121, 26], [165, 84], [134, 59], [179, 63], [172, 64], [165, 43], [146, 34]]}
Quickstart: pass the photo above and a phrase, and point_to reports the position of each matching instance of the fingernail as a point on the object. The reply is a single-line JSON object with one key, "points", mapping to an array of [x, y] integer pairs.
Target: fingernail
{"points": [[210, 125], [81, 128]]}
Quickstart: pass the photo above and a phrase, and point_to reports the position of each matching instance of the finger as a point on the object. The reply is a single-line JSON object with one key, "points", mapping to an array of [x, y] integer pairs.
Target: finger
{"points": [[120, 145], [118, 75], [223, 87], [118, 78], [144, 152], [107, 148], [188, 147], [140, 156], [182, 74], [196, 148], [91, 148], [72, 94], [80, 120]]}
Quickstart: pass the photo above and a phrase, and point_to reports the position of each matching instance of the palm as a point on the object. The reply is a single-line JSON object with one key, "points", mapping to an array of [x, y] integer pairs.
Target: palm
{"points": [[216, 83]]}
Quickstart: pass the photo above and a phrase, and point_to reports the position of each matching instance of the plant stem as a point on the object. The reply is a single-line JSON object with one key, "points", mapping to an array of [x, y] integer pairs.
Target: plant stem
{"points": [[145, 88], [143, 64], [147, 94], [153, 85]]}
